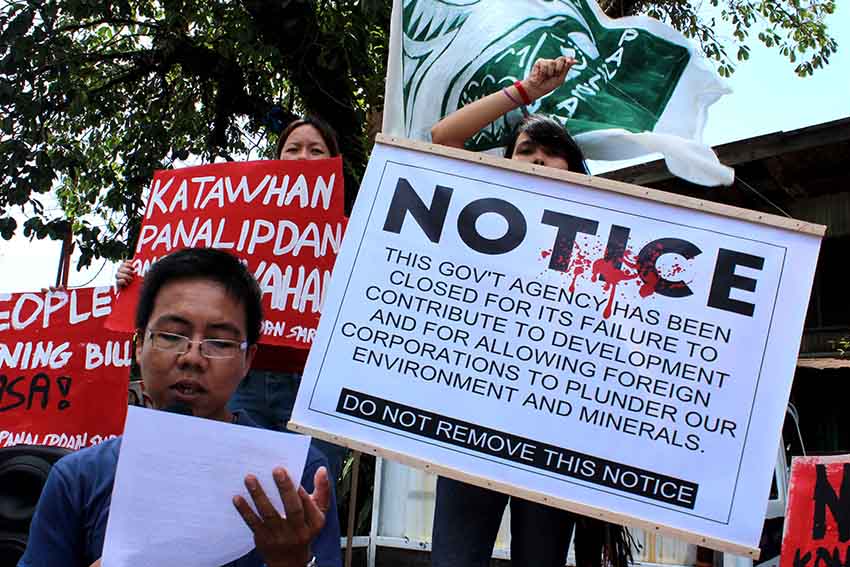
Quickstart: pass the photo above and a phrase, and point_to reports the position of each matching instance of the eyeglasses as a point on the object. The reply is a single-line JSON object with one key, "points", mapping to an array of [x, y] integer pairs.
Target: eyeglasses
{"points": [[210, 348]]}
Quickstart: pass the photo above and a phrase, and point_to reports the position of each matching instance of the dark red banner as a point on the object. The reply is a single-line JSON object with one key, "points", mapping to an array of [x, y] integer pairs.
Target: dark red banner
{"points": [[283, 218], [63, 375], [817, 520]]}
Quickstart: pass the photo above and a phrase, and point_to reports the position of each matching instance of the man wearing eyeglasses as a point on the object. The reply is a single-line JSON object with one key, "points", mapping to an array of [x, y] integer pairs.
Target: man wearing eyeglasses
{"points": [[198, 322]]}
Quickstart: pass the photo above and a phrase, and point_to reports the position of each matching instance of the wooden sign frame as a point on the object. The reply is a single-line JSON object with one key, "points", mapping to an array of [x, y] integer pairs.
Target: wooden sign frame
{"points": [[530, 495], [593, 182], [789, 224]]}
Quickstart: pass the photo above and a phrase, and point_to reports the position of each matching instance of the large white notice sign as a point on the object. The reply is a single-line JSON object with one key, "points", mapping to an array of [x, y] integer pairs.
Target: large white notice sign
{"points": [[596, 346]]}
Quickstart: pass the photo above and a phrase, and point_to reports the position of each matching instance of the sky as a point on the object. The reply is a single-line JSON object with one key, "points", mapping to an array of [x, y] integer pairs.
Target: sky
{"points": [[767, 96]]}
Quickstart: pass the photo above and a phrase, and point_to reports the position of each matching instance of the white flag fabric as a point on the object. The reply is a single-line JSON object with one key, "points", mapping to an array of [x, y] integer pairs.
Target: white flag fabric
{"points": [[638, 87]]}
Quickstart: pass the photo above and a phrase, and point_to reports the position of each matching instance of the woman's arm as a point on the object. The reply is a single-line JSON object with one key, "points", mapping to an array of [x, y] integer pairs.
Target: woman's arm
{"points": [[546, 75]]}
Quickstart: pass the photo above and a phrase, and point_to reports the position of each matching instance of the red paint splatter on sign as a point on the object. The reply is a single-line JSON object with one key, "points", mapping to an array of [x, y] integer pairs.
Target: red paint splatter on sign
{"points": [[650, 282], [580, 264], [612, 277]]}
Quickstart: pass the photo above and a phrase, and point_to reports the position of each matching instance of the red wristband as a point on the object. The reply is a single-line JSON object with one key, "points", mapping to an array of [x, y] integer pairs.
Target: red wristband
{"points": [[523, 94]]}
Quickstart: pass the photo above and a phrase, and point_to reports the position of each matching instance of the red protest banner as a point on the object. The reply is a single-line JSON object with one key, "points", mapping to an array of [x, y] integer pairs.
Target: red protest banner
{"points": [[63, 376], [817, 520], [284, 218]]}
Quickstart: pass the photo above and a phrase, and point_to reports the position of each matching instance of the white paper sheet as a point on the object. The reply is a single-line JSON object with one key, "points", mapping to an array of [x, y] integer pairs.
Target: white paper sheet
{"points": [[176, 478]]}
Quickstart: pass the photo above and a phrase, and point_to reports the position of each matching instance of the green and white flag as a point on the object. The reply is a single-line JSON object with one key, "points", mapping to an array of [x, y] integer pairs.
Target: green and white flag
{"points": [[639, 86]]}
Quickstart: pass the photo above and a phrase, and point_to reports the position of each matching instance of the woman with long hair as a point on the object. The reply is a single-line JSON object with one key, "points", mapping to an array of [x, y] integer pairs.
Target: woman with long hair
{"points": [[467, 518]]}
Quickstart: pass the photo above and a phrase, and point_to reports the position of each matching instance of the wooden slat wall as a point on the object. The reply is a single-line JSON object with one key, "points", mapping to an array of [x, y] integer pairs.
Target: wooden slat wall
{"points": [[830, 210]]}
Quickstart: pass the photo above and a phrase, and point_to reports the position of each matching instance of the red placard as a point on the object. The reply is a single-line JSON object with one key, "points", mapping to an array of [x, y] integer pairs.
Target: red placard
{"points": [[63, 376], [817, 521], [283, 218]]}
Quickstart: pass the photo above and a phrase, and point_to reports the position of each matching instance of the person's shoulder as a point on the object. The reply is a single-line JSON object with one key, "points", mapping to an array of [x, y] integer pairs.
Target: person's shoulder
{"points": [[93, 460], [315, 459], [242, 418], [104, 450]]}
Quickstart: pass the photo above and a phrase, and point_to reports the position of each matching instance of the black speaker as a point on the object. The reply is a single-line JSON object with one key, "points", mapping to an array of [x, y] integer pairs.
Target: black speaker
{"points": [[23, 472]]}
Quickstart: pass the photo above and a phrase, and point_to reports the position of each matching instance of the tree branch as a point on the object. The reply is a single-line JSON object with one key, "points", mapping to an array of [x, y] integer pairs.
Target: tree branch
{"points": [[293, 28], [110, 21], [621, 8]]}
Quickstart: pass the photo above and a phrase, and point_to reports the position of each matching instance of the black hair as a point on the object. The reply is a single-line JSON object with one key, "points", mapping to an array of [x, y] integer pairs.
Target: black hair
{"points": [[328, 134], [554, 137], [208, 264]]}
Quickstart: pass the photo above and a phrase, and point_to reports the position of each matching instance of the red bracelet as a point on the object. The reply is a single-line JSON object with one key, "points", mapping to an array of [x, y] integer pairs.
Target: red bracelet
{"points": [[523, 94]]}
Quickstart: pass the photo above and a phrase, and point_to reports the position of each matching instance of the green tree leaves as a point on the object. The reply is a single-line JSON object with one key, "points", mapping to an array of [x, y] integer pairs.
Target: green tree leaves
{"points": [[797, 28], [95, 96]]}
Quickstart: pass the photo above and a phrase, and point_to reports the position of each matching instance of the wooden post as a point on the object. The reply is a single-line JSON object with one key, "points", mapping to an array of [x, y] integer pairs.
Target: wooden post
{"points": [[352, 507], [65, 259]]}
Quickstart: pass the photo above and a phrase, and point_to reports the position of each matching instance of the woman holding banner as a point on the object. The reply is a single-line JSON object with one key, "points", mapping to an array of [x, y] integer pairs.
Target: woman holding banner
{"points": [[467, 518], [268, 392]]}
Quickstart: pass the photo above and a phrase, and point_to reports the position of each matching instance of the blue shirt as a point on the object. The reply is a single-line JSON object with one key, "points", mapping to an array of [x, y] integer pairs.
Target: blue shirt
{"points": [[69, 524]]}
